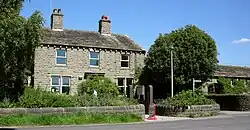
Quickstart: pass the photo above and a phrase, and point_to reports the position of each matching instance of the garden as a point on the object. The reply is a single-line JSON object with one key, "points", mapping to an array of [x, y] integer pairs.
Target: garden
{"points": [[187, 104], [232, 96], [37, 99]]}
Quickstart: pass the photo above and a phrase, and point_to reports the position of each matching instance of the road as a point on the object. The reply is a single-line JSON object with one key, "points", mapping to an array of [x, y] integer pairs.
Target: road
{"points": [[228, 123]]}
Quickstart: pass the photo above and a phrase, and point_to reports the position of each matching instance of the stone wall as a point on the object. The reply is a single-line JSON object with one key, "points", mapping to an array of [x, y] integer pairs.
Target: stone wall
{"points": [[78, 64], [187, 111], [135, 109]]}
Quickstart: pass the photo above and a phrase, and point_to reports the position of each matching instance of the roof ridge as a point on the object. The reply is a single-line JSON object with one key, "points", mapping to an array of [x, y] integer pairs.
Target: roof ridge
{"points": [[91, 31], [236, 66]]}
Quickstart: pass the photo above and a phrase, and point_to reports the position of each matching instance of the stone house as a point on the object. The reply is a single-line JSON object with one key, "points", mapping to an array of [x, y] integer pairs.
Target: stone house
{"points": [[234, 73], [67, 57]]}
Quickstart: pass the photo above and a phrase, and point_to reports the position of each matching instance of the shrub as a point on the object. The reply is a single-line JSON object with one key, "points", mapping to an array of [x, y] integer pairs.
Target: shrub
{"points": [[36, 98], [232, 102], [6, 103], [227, 88], [104, 100], [102, 85], [187, 98]]}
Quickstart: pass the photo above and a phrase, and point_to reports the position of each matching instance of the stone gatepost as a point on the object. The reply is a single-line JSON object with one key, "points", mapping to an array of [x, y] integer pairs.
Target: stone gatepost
{"points": [[151, 101], [131, 91]]}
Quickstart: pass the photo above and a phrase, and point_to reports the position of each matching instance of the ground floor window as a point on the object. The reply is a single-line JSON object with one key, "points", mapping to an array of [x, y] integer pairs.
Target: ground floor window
{"points": [[123, 85], [88, 74], [60, 84]]}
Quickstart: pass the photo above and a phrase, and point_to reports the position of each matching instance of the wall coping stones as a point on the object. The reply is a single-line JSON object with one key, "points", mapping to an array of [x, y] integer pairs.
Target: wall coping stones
{"points": [[135, 109], [163, 110]]}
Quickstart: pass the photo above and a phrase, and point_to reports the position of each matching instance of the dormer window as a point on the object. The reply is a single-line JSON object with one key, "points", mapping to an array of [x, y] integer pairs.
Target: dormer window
{"points": [[124, 61], [61, 57]]}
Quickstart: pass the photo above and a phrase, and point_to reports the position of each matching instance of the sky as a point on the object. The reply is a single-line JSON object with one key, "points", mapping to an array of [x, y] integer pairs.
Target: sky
{"points": [[226, 21]]}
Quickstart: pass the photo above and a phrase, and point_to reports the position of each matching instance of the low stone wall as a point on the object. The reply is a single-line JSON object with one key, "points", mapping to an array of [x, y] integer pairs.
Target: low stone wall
{"points": [[187, 111], [135, 109]]}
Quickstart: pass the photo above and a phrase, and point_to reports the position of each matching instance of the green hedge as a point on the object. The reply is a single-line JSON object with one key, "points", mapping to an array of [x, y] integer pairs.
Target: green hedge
{"points": [[37, 98], [232, 102], [187, 98]]}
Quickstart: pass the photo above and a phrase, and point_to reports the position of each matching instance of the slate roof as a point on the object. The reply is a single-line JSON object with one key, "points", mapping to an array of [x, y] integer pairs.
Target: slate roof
{"points": [[233, 71], [89, 39]]}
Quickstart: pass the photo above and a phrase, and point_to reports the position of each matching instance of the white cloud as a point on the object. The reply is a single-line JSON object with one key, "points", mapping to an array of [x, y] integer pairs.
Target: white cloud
{"points": [[242, 40]]}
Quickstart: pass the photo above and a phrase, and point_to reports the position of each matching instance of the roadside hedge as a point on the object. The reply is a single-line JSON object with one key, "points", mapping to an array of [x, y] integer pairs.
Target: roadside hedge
{"points": [[187, 98], [232, 102], [38, 98]]}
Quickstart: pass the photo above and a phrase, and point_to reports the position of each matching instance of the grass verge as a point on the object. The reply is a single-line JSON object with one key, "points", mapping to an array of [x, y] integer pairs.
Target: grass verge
{"points": [[66, 119]]}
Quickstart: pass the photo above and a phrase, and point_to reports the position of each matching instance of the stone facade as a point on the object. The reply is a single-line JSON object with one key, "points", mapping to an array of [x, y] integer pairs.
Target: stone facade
{"points": [[77, 45], [78, 63]]}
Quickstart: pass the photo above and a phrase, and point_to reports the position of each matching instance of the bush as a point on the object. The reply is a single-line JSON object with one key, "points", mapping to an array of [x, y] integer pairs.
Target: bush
{"points": [[102, 85], [187, 98], [6, 103], [104, 100], [227, 88], [232, 102], [36, 98]]}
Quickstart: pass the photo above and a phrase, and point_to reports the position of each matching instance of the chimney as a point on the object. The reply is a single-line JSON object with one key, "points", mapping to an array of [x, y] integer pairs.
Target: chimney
{"points": [[57, 20], [104, 25]]}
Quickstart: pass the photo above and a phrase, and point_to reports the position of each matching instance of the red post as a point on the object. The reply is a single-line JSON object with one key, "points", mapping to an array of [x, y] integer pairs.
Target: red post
{"points": [[153, 117]]}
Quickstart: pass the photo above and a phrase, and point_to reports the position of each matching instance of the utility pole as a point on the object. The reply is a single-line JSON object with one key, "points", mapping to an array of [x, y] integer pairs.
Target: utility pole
{"points": [[172, 72]]}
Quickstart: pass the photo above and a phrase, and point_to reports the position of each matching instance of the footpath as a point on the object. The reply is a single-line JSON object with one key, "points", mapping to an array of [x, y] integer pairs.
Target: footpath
{"points": [[223, 114]]}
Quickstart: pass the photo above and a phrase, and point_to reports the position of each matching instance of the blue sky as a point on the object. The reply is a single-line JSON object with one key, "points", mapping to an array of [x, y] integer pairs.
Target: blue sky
{"points": [[227, 21]]}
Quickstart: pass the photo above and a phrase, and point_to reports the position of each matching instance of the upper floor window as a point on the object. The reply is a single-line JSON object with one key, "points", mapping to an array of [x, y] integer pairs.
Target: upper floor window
{"points": [[124, 61], [61, 57], [94, 58]]}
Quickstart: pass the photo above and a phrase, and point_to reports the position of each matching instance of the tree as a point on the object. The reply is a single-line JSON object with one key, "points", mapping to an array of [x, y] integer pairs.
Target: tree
{"points": [[194, 54], [19, 38]]}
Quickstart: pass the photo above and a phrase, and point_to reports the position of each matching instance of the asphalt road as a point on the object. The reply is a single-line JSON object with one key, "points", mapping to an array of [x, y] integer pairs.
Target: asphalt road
{"points": [[229, 123]]}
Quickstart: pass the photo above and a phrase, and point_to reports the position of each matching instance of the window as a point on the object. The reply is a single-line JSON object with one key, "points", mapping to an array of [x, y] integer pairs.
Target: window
{"points": [[121, 87], [61, 57], [124, 61], [88, 74], [123, 84], [94, 58], [234, 81], [129, 81], [55, 85], [60, 84], [120, 81]]}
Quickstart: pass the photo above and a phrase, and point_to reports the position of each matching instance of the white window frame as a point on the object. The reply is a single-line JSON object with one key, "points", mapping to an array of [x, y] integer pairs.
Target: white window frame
{"points": [[60, 82], [125, 60], [61, 57], [51, 82], [94, 58], [124, 84]]}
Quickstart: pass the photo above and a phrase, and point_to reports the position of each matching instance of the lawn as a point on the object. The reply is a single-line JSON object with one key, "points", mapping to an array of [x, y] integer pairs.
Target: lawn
{"points": [[66, 119]]}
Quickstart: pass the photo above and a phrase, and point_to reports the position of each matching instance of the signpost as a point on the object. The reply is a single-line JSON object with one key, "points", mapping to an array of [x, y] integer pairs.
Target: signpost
{"points": [[195, 81]]}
